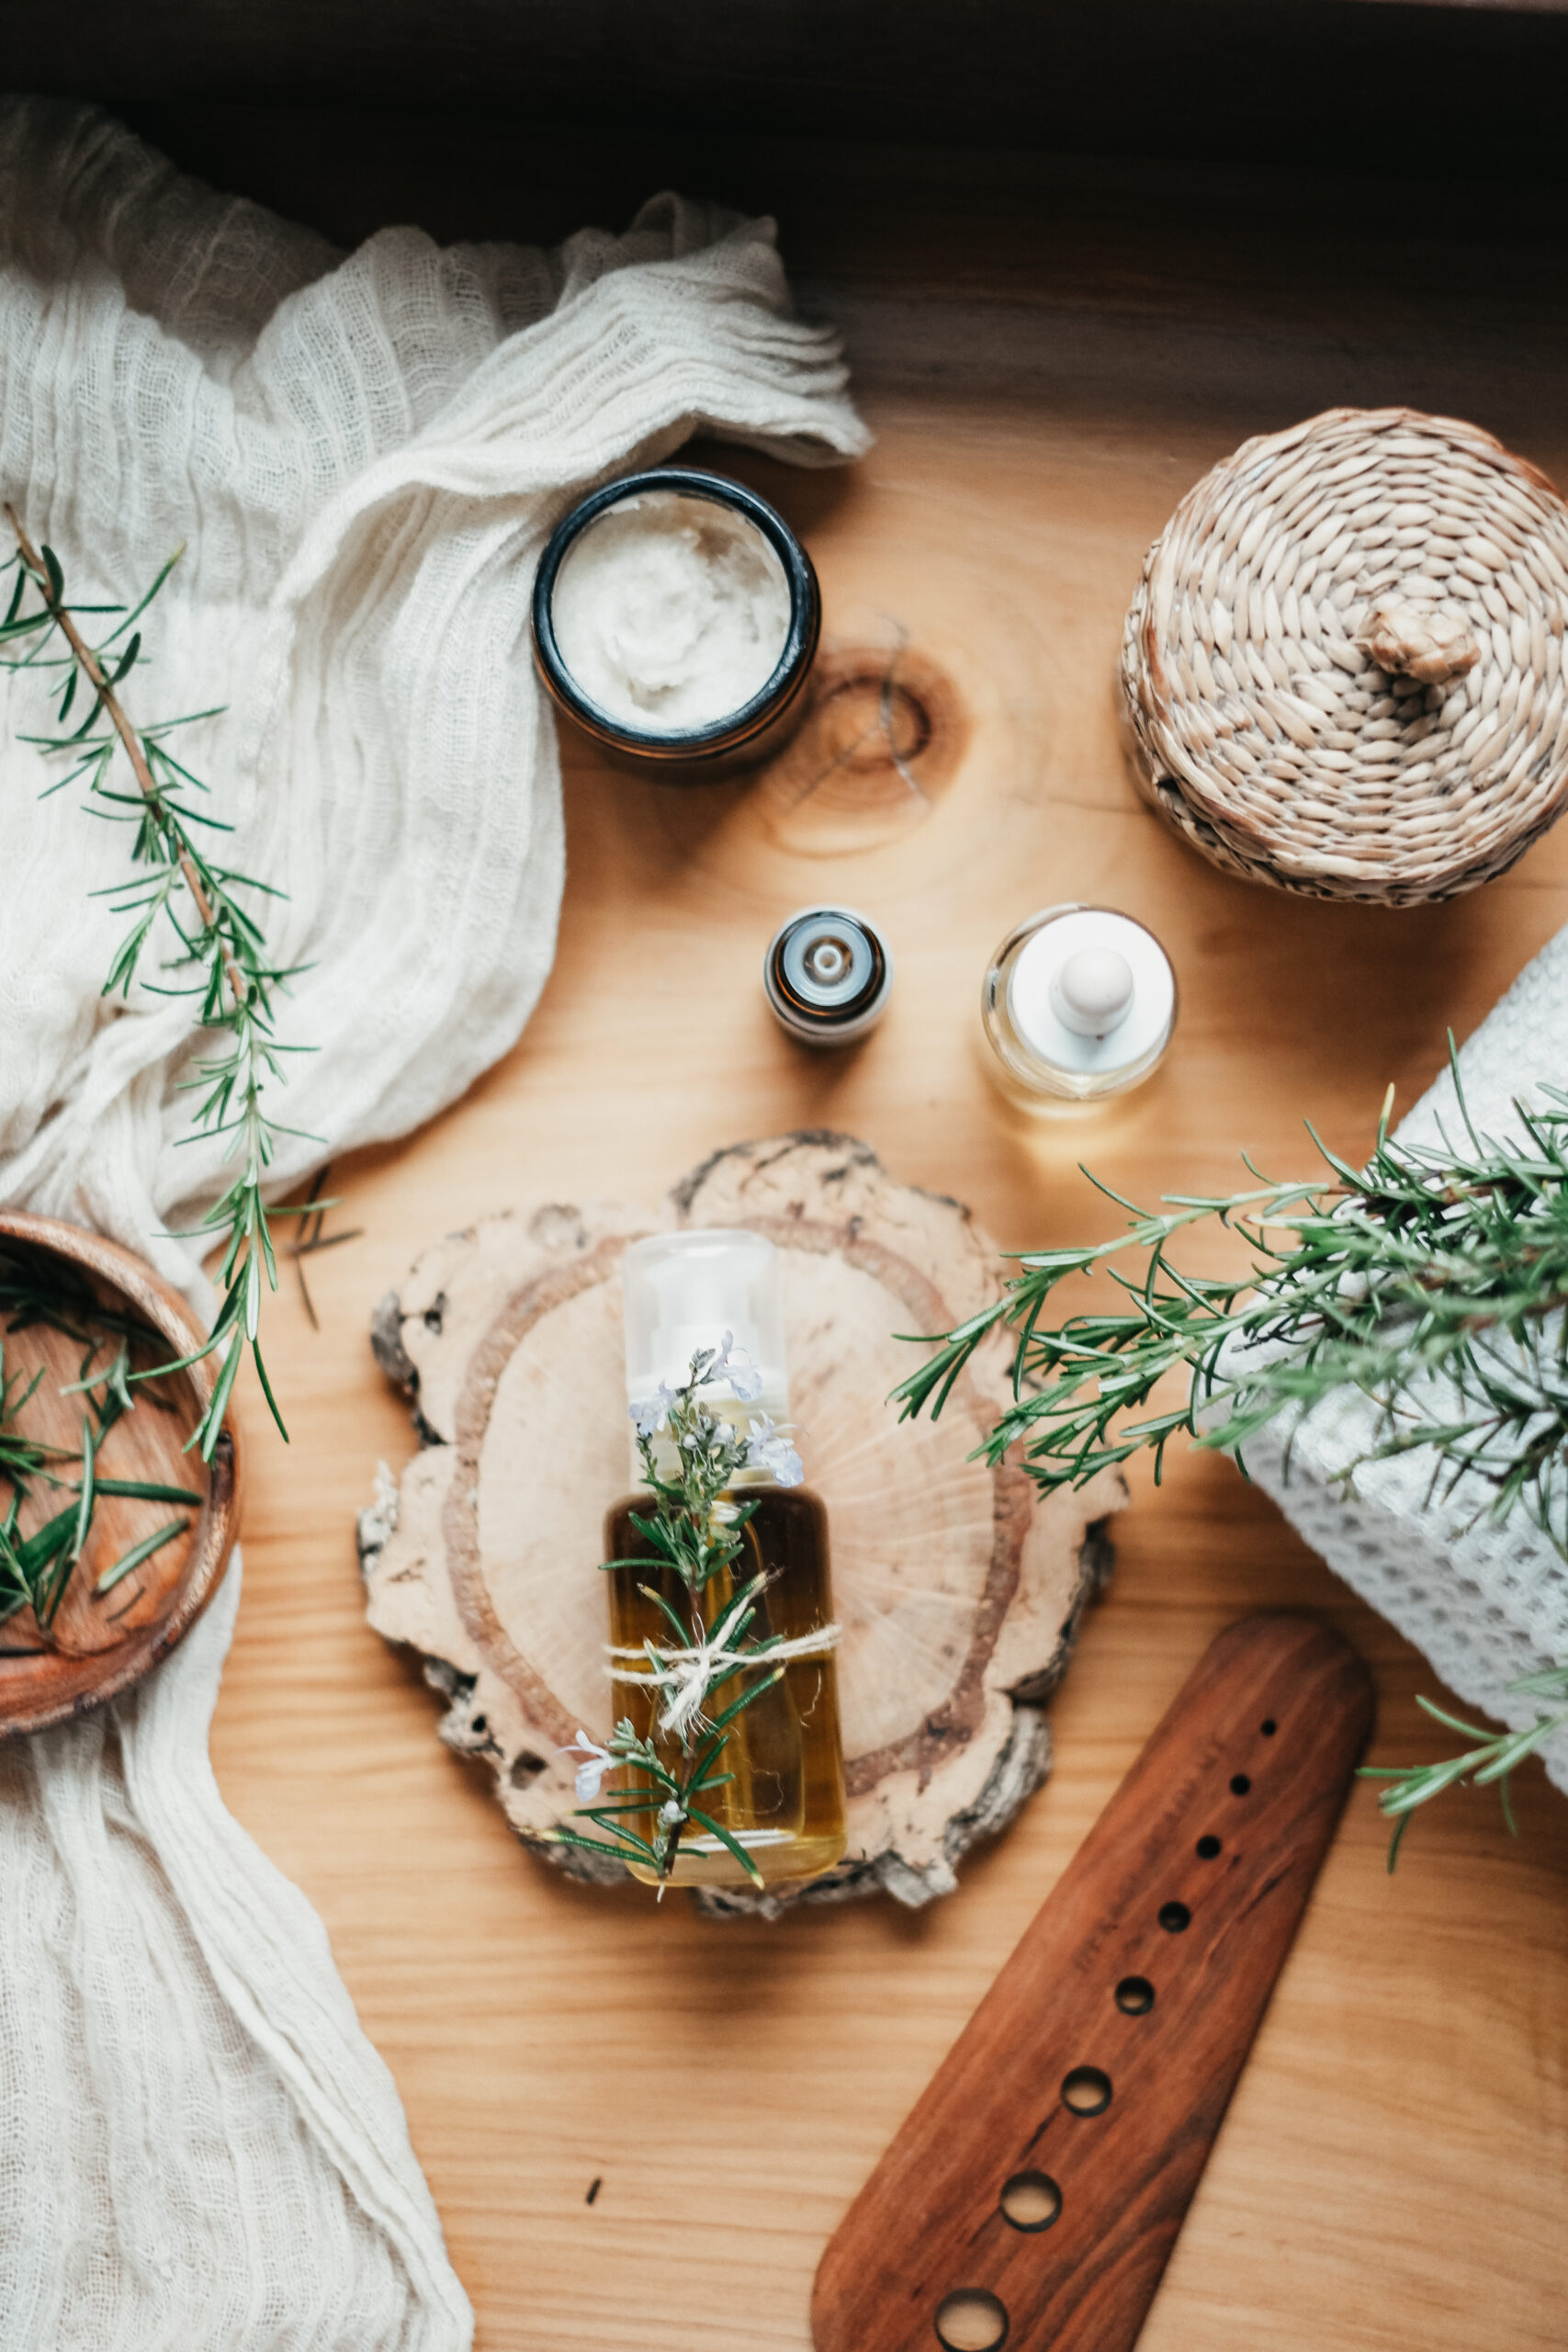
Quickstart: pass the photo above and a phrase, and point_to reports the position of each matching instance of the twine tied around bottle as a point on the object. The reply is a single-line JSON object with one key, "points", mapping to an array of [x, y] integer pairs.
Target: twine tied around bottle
{"points": [[684, 1676]]}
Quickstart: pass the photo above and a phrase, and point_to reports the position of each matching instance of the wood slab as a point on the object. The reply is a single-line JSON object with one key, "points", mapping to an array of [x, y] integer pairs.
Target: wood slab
{"points": [[1034, 2197], [1051, 351], [959, 1589], [99, 1647]]}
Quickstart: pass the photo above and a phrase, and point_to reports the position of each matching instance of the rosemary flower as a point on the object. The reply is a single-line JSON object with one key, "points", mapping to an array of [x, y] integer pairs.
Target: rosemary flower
{"points": [[590, 1772], [767, 1448]]}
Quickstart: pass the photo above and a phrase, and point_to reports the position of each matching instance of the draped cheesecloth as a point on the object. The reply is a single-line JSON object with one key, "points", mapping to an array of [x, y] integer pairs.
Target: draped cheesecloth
{"points": [[363, 454]]}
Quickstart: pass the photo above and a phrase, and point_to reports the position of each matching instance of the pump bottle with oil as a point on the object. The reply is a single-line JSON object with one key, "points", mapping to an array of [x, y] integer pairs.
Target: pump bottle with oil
{"points": [[783, 1802]]}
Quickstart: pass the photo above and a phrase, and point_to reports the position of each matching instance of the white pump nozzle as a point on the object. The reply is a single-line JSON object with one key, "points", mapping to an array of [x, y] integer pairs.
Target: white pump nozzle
{"points": [[1091, 992]]}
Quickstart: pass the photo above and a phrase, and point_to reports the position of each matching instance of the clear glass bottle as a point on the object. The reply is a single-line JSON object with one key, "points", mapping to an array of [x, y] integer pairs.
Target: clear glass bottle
{"points": [[1078, 1003], [786, 1803]]}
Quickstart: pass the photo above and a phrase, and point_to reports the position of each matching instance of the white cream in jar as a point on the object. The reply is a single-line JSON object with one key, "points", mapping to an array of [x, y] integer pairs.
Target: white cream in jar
{"points": [[671, 612]]}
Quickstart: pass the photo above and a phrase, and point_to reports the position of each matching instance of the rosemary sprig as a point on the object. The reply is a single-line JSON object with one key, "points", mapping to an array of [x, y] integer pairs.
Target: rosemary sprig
{"points": [[35, 1288], [693, 1532], [1491, 1763], [219, 946], [1433, 1279], [35, 1569]]}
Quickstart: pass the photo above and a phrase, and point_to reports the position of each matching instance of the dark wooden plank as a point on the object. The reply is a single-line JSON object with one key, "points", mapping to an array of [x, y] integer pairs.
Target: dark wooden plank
{"points": [[1035, 2193], [1344, 81], [1230, 300]]}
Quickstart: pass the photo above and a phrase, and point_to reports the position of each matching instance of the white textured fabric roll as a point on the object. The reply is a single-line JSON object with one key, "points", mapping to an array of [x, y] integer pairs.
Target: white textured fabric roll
{"points": [[1486, 1599], [363, 455]]}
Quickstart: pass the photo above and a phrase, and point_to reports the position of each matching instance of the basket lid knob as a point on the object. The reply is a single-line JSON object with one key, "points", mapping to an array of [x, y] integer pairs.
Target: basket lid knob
{"points": [[1413, 636]]}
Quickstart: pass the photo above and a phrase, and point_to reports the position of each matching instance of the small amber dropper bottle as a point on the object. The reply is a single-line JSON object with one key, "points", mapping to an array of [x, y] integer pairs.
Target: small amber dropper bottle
{"points": [[785, 1803]]}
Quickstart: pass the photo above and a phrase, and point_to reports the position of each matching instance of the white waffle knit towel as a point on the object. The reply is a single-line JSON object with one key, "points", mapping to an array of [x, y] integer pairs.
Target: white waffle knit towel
{"points": [[363, 455], [1486, 1599]]}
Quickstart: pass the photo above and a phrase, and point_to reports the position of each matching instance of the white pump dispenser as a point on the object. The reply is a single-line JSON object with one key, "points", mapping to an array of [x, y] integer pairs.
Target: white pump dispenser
{"points": [[1078, 1003], [687, 1290]]}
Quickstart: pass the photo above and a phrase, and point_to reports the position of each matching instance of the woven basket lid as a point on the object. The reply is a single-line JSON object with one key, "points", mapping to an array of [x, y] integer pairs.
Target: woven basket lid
{"points": [[1343, 672]]}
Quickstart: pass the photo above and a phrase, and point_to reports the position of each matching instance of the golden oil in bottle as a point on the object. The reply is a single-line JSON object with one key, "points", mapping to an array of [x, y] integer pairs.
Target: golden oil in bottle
{"points": [[785, 1803]]}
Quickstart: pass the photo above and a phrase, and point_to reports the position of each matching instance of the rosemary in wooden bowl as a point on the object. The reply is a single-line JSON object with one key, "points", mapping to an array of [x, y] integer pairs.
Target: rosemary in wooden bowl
{"points": [[114, 1529]]}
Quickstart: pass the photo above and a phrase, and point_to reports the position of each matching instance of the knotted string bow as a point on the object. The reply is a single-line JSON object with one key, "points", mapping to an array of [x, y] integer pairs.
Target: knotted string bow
{"points": [[686, 1675]]}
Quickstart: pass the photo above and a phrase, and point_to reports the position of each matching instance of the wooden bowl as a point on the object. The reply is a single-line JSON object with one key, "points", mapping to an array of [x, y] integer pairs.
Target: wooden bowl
{"points": [[103, 1646]]}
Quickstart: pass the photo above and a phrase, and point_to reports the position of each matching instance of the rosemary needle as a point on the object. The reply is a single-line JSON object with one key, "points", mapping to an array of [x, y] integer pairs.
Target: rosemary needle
{"points": [[137, 1554]]}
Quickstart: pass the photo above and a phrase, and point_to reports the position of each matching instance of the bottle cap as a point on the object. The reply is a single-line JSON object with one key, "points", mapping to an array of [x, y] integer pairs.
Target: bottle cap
{"points": [[685, 1291], [827, 974], [1092, 993]]}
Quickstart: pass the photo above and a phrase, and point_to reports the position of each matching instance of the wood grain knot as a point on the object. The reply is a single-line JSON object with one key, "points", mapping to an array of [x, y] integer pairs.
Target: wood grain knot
{"points": [[879, 744]]}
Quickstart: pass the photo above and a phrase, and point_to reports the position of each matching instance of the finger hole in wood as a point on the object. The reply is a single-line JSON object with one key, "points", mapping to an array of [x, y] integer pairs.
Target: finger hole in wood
{"points": [[1030, 2200], [1087, 2090], [971, 2320]]}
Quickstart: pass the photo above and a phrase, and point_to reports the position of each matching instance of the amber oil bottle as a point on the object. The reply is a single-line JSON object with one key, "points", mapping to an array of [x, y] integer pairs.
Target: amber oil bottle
{"points": [[785, 1803]]}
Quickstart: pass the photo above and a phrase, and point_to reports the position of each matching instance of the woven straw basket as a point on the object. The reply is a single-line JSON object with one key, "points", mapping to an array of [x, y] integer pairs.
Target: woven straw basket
{"points": [[1343, 672]]}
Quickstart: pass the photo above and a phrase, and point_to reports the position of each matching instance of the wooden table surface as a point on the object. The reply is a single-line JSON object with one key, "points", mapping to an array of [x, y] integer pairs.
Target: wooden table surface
{"points": [[1391, 2173]]}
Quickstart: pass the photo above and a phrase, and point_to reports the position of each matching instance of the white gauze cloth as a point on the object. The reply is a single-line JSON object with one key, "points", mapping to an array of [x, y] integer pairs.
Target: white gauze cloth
{"points": [[363, 454], [1485, 1599]]}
